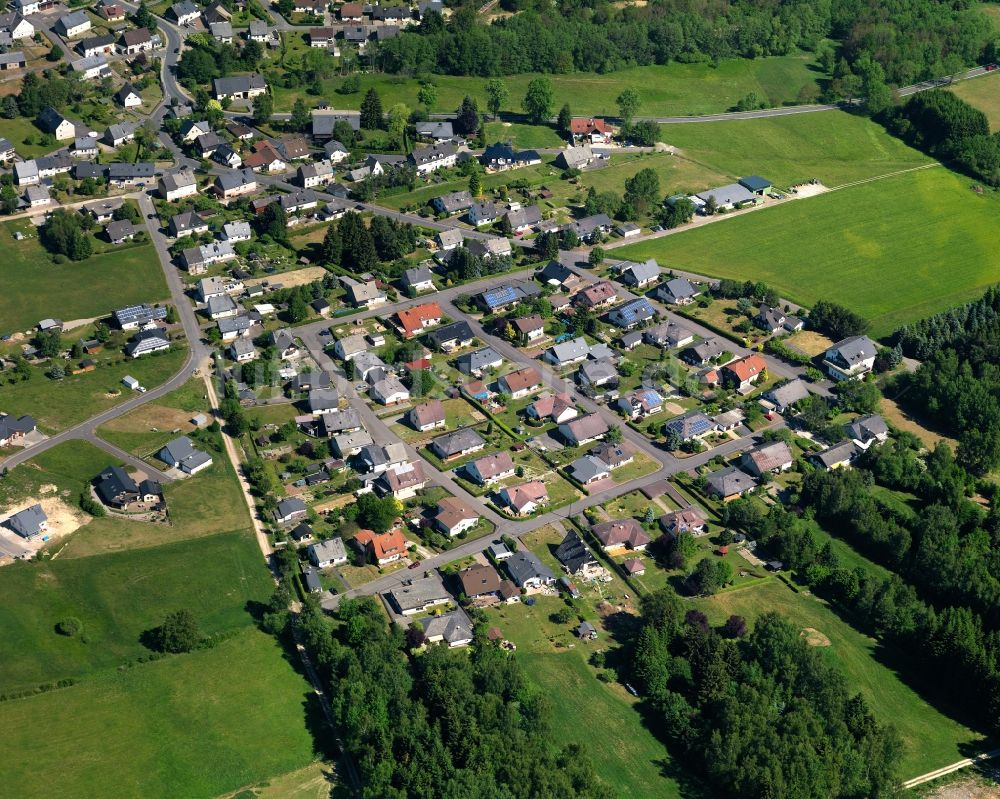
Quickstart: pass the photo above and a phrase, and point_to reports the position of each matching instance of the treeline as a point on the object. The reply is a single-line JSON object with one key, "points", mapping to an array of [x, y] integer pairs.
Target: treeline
{"points": [[943, 553], [761, 715], [358, 248], [907, 40], [958, 389], [441, 724], [923, 338], [944, 125]]}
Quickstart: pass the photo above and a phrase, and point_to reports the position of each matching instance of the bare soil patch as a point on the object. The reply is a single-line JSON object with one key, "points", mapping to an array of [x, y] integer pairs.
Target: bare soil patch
{"points": [[158, 416], [976, 787], [898, 417], [297, 277], [814, 637], [809, 342]]}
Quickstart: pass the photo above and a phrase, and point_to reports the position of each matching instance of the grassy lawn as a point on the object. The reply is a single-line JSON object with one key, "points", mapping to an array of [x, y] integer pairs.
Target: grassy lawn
{"points": [[36, 288], [599, 716], [527, 137], [134, 432], [117, 597], [19, 131], [983, 93], [834, 146], [129, 734], [894, 233], [675, 174], [641, 465], [931, 738], [670, 89], [58, 404], [458, 413]]}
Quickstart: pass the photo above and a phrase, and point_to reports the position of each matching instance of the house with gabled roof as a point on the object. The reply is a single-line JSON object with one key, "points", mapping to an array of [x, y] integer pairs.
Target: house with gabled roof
{"points": [[181, 454], [786, 395], [454, 516], [743, 373], [677, 291], [527, 571], [557, 408], [851, 358], [868, 430], [324, 554], [774, 456], [601, 294], [632, 313], [402, 480], [520, 383], [478, 361], [29, 522], [583, 430], [524, 499], [691, 425], [639, 275], [414, 321], [457, 444], [836, 457], [490, 468], [426, 416], [619, 534], [729, 483]]}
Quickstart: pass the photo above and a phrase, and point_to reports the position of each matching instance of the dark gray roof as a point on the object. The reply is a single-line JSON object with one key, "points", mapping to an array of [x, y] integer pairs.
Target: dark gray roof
{"points": [[457, 442], [524, 565]]}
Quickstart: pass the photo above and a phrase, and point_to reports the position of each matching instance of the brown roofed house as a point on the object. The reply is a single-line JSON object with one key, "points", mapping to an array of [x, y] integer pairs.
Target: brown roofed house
{"points": [[621, 534]]}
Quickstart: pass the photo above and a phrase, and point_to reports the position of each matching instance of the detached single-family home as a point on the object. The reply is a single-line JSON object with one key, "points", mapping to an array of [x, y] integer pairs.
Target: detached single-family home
{"points": [[583, 430], [669, 335], [453, 628], [29, 522], [640, 403], [577, 559], [51, 121], [729, 483], [490, 468], [521, 383], [414, 321], [324, 554], [454, 203], [136, 41], [479, 361], [290, 509], [592, 129], [527, 571], [437, 156], [619, 534], [402, 481], [688, 520], [692, 425], [14, 429], [235, 184], [638, 275], [184, 12], [455, 517], [528, 328], [567, 353], [239, 87], [417, 280], [587, 469], [632, 313], [457, 444], [73, 24], [128, 97], [451, 337], [557, 408], [836, 457], [774, 456], [868, 430], [181, 454], [480, 584], [389, 391], [365, 295], [418, 595], [786, 395], [147, 341], [521, 220], [850, 359], [743, 373], [774, 319], [678, 291]]}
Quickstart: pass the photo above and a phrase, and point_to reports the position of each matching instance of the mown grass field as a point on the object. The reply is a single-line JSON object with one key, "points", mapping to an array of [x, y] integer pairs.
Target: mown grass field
{"points": [[983, 93], [931, 738], [834, 146], [58, 404], [893, 250], [194, 725], [599, 716], [669, 90], [36, 288], [117, 597]]}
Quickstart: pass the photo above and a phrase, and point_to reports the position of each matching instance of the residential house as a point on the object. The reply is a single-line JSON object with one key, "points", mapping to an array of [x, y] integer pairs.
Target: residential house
{"points": [[523, 499], [323, 400], [453, 628], [402, 481], [125, 176], [258, 31], [522, 220], [73, 24], [284, 342], [337, 422], [638, 275], [490, 468], [242, 350], [196, 260], [774, 456], [96, 45], [134, 42], [577, 559], [417, 280], [234, 327], [290, 509], [236, 231], [703, 352], [37, 196], [527, 571], [191, 129], [453, 203], [455, 517], [836, 457], [619, 534], [415, 320], [587, 469], [51, 121], [349, 347], [438, 131], [147, 341], [528, 328], [729, 483], [294, 148], [116, 488], [479, 361], [868, 430], [322, 37], [491, 247], [318, 173], [389, 391], [451, 337], [506, 296], [691, 425], [774, 319], [224, 154], [120, 231], [556, 408], [133, 317], [483, 213], [480, 584], [181, 454], [325, 554], [601, 294], [786, 395], [591, 228], [520, 383], [128, 97], [184, 12], [418, 595], [743, 373], [239, 87], [592, 129], [850, 359], [29, 522], [640, 403], [365, 295], [235, 183], [16, 26], [437, 156], [347, 444], [688, 520], [632, 313], [7, 151], [677, 291], [501, 156], [335, 151], [206, 145], [669, 335], [450, 239], [14, 429], [265, 158], [92, 67], [457, 444], [595, 374], [583, 430], [575, 157], [567, 352]]}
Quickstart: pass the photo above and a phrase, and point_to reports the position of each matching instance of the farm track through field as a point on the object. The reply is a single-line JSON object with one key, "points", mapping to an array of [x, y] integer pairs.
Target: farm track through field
{"points": [[886, 175]]}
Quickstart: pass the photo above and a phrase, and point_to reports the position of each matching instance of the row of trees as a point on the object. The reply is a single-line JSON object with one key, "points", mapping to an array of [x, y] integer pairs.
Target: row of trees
{"points": [[445, 723], [927, 336], [760, 715], [355, 246]]}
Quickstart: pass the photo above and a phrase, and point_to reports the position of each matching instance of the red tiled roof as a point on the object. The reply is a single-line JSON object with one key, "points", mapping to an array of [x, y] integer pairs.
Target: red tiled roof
{"points": [[586, 125], [412, 319], [523, 378], [746, 368]]}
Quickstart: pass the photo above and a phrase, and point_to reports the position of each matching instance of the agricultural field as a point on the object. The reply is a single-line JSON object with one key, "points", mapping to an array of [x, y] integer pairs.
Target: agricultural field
{"points": [[893, 233], [36, 287], [673, 89], [931, 739], [128, 733], [983, 93], [834, 146]]}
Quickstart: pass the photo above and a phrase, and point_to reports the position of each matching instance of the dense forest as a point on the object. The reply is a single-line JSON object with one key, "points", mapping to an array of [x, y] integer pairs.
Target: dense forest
{"points": [[907, 40], [760, 714], [957, 387], [438, 723]]}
